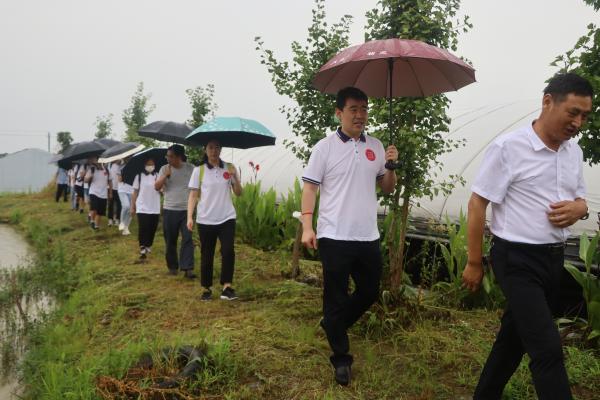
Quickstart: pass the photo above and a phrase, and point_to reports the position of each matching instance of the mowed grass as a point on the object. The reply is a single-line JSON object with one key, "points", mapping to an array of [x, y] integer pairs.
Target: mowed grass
{"points": [[267, 345]]}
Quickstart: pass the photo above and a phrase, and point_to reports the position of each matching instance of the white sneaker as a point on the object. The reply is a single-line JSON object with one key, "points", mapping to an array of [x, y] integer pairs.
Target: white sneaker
{"points": [[126, 232], [110, 222], [121, 226], [116, 222]]}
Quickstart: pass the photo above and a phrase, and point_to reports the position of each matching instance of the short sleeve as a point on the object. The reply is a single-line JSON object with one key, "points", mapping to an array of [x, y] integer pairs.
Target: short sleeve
{"points": [[494, 176], [194, 179], [162, 170], [315, 170], [136, 182]]}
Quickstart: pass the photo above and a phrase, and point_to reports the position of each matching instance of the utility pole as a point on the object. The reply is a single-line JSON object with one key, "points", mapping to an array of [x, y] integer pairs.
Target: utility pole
{"points": [[48, 142]]}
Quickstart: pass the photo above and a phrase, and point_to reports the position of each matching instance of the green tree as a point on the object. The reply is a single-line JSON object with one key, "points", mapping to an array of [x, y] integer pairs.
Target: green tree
{"points": [[312, 113], [584, 59], [203, 109], [418, 122], [135, 116], [64, 139], [103, 126]]}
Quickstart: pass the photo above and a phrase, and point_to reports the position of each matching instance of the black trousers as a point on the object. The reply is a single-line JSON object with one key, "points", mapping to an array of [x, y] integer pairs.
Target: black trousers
{"points": [[114, 206], [61, 190], [209, 234], [147, 224], [174, 223], [529, 276], [342, 260]]}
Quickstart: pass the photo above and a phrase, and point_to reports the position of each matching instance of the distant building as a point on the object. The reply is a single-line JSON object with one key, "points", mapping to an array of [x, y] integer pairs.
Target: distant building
{"points": [[26, 171]]}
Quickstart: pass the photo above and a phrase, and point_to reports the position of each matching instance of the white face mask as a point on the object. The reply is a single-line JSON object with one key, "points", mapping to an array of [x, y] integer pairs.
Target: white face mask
{"points": [[149, 168]]}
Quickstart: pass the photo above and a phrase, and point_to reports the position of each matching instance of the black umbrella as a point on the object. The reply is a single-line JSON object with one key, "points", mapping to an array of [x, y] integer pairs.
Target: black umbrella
{"points": [[166, 131], [82, 150], [136, 164], [120, 151], [106, 142]]}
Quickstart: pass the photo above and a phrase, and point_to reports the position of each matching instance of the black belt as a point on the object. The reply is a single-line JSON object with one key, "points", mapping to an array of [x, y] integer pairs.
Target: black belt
{"points": [[552, 246]]}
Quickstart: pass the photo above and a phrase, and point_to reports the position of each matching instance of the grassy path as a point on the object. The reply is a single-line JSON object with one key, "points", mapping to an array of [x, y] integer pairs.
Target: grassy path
{"points": [[267, 345]]}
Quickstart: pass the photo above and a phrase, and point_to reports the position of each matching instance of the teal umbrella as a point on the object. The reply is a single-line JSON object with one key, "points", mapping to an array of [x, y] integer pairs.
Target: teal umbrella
{"points": [[239, 133]]}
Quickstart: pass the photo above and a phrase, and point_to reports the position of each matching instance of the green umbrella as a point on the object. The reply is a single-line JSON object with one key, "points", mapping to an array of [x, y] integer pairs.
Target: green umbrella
{"points": [[239, 133]]}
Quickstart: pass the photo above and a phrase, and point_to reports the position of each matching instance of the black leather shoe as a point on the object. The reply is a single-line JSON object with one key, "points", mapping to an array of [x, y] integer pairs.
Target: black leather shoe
{"points": [[190, 275], [343, 375]]}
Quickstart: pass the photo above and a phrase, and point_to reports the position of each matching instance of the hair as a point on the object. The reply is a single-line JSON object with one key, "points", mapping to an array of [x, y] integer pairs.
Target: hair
{"points": [[349, 92], [179, 151], [561, 85]]}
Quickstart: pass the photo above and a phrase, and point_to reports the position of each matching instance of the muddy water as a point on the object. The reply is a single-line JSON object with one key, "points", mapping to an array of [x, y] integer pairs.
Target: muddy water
{"points": [[14, 252]]}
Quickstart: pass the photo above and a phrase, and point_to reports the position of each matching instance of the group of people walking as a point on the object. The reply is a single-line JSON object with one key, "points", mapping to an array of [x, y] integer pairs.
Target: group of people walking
{"points": [[176, 191], [531, 176]]}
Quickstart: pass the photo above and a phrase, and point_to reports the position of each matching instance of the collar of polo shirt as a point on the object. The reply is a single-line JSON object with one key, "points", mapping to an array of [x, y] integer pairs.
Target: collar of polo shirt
{"points": [[538, 144], [221, 164], [345, 137]]}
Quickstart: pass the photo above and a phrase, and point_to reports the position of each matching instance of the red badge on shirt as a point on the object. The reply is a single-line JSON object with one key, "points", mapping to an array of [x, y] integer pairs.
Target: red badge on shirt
{"points": [[226, 175], [370, 154]]}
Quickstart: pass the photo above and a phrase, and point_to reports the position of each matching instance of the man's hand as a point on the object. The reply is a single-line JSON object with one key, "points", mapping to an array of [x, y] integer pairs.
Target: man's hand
{"points": [[309, 239], [565, 213], [190, 224], [391, 153], [472, 276], [132, 209]]}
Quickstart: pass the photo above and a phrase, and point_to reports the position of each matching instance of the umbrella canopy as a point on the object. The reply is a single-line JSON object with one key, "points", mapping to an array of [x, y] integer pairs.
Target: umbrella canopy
{"points": [[82, 150], [394, 68], [120, 151], [233, 132], [166, 131], [107, 143], [136, 164]]}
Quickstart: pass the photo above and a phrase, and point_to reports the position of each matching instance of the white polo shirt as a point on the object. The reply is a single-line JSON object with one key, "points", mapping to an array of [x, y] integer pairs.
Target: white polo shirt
{"points": [[215, 205], [148, 199], [521, 177], [99, 183], [80, 171], [347, 171], [122, 186]]}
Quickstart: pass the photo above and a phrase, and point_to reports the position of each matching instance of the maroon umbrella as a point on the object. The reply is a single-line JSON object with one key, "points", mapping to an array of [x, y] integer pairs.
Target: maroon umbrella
{"points": [[394, 68]]}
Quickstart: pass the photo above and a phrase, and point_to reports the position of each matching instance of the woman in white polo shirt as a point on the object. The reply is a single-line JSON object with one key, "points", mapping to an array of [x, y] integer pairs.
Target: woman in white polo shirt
{"points": [[100, 191], [212, 182], [145, 203], [125, 192]]}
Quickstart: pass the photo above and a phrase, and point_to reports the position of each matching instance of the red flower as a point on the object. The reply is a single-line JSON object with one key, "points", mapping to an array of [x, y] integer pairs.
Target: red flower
{"points": [[257, 167]]}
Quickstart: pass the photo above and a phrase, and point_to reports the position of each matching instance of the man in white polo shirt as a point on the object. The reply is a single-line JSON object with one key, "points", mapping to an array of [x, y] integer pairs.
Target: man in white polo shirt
{"points": [[533, 178], [346, 167]]}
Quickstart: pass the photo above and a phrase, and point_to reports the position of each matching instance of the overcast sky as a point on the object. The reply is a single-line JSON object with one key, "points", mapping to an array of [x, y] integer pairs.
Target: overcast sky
{"points": [[64, 62]]}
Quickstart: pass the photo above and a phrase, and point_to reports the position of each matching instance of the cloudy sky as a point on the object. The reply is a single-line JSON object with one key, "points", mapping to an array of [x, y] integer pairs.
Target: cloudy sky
{"points": [[64, 62]]}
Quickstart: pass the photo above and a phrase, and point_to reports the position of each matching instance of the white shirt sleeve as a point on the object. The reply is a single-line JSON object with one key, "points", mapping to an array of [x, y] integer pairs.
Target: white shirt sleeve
{"points": [[194, 179], [494, 176], [581, 191], [136, 182], [315, 170]]}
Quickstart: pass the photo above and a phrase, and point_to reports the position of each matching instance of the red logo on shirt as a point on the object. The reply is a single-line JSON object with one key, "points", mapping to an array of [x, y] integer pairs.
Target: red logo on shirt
{"points": [[226, 175], [370, 154]]}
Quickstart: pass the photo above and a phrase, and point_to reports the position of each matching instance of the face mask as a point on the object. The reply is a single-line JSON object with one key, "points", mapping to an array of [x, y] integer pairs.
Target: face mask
{"points": [[149, 168]]}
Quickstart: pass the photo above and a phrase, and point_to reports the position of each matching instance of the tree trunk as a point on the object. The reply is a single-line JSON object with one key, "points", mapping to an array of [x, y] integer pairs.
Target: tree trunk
{"points": [[397, 260]]}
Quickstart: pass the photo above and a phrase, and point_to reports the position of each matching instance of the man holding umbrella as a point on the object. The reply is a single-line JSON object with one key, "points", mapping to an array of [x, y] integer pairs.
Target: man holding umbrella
{"points": [[173, 179], [346, 167]]}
